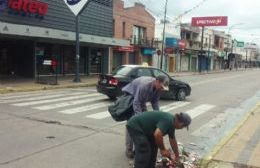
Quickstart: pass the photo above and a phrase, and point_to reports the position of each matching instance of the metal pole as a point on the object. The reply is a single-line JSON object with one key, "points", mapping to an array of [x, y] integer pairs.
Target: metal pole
{"points": [[165, 11], [209, 52], [201, 48], [246, 59], [77, 79]]}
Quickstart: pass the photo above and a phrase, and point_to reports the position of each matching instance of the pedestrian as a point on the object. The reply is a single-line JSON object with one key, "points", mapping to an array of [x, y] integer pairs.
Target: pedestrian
{"points": [[147, 131], [144, 89]]}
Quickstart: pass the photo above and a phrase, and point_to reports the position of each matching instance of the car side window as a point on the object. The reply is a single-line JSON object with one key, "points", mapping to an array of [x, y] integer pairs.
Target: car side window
{"points": [[157, 72], [143, 72]]}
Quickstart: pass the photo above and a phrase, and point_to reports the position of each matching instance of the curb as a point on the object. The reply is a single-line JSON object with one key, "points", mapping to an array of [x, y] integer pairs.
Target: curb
{"points": [[209, 157], [47, 87]]}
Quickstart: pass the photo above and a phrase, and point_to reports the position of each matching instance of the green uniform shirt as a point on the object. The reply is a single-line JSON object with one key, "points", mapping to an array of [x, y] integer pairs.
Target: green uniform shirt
{"points": [[147, 123]]}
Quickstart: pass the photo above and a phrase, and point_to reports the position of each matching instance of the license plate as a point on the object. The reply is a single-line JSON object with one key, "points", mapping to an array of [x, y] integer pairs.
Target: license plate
{"points": [[104, 81]]}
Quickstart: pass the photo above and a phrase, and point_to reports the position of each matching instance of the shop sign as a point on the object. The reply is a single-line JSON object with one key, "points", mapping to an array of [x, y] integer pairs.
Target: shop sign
{"points": [[147, 51], [28, 6], [47, 62], [168, 50], [171, 42], [181, 44], [239, 43], [209, 21], [75, 5], [124, 48]]}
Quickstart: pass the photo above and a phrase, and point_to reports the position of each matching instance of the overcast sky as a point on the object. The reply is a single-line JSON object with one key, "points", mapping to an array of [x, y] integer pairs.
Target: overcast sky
{"points": [[243, 15]]}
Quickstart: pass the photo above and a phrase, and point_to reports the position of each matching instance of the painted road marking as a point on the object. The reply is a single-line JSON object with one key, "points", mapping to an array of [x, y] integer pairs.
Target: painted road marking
{"points": [[173, 106], [84, 108], [55, 100], [70, 103], [6, 97], [100, 115], [38, 98], [195, 112]]}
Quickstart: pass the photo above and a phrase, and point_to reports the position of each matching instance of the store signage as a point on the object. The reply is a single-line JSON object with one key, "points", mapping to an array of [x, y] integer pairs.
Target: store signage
{"points": [[168, 50], [181, 44], [124, 48], [28, 6], [171, 42], [209, 21], [75, 5], [147, 51]]}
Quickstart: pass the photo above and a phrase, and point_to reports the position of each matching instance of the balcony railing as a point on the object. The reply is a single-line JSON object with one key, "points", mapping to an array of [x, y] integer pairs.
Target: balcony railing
{"points": [[144, 42]]}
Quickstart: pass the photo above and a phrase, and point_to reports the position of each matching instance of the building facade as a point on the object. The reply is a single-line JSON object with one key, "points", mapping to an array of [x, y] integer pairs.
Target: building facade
{"points": [[35, 33], [136, 25]]}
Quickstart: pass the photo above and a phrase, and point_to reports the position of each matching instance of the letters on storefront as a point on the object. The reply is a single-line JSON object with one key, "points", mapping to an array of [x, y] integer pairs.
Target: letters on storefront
{"points": [[28, 6]]}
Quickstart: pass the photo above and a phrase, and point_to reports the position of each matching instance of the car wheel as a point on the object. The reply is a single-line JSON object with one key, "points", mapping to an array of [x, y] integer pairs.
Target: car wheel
{"points": [[111, 97], [181, 94]]}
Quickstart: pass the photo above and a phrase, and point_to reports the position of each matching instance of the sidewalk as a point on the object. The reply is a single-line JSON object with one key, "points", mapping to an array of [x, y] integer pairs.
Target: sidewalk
{"points": [[23, 84], [13, 84], [242, 147]]}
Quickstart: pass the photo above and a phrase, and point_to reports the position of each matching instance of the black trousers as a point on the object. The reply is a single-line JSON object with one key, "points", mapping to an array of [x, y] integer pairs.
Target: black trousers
{"points": [[145, 149]]}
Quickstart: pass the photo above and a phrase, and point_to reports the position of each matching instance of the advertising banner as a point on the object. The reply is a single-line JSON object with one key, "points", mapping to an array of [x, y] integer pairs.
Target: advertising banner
{"points": [[75, 5], [209, 21]]}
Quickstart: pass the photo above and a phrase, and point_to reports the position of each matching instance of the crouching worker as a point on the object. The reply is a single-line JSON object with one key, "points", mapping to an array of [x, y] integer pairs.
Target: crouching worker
{"points": [[147, 131]]}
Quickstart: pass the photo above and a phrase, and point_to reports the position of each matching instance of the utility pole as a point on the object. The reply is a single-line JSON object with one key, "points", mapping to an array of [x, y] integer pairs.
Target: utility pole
{"points": [[164, 21], [246, 59], [201, 48], [209, 52]]}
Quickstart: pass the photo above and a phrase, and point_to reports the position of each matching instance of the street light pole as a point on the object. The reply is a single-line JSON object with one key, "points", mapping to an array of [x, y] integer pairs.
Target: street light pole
{"points": [[77, 79], [164, 20]]}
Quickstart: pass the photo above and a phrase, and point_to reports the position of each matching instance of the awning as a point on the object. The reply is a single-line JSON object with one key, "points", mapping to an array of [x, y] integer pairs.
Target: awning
{"points": [[34, 31]]}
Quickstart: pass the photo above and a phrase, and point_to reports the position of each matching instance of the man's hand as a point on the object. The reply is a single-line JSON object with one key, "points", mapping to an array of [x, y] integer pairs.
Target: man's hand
{"points": [[166, 153]]}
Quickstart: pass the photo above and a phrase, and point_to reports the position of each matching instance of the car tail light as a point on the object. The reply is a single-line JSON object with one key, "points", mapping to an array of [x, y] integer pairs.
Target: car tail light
{"points": [[113, 81]]}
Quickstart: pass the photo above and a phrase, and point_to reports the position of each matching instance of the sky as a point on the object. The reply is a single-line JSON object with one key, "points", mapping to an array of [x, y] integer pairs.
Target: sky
{"points": [[243, 15]]}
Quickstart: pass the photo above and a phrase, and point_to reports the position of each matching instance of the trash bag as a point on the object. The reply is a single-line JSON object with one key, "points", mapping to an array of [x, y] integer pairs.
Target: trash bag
{"points": [[122, 109]]}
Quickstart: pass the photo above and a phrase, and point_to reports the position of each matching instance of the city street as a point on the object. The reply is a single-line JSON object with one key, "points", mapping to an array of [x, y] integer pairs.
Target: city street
{"points": [[71, 128]]}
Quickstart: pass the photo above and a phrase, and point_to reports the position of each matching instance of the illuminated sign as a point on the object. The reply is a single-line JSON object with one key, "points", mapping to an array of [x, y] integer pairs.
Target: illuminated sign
{"points": [[28, 6]]}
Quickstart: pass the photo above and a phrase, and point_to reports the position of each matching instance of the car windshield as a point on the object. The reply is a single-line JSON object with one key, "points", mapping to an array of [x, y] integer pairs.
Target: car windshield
{"points": [[122, 70]]}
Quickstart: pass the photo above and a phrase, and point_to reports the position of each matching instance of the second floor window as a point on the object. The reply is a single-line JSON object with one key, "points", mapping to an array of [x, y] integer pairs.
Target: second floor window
{"points": [[138, 35]]}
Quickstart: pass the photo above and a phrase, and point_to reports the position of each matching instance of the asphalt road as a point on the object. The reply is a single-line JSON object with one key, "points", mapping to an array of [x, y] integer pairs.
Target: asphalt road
{"points": [[71, 127]]}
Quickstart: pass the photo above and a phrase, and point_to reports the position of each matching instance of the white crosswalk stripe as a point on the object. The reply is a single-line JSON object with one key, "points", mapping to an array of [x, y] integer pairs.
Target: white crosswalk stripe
{"points": [[88, 102], [167, 108], [37, 98], [101, 115], [173, 106], [195, 112], [55, 100], [84, 108], [24, 95], [70, 103]]}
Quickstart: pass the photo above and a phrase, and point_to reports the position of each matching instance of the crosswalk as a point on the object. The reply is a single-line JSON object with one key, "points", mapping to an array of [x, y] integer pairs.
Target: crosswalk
{"points": [[91, 105]]}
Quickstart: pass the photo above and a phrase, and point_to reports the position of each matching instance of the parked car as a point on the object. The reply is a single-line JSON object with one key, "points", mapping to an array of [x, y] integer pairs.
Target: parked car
{"points": [[111, 84]]}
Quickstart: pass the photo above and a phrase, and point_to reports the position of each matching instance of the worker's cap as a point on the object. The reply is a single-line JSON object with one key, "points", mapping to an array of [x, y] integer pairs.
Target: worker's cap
{"points": [[185, 119], [164, 81]]}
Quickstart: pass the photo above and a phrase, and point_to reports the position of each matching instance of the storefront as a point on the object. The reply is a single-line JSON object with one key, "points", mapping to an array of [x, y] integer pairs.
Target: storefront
{"points": [[44, 30], [122, 55]]}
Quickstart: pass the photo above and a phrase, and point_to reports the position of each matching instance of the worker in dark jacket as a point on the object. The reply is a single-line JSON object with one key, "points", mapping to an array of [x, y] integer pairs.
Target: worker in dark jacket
{"points": [[147, 131], [144, 89]]}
